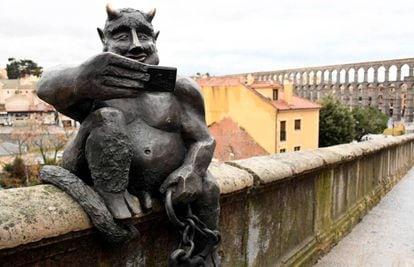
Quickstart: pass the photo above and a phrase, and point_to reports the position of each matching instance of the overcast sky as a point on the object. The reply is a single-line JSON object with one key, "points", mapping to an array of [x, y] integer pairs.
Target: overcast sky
{"points": [[218, 36]]}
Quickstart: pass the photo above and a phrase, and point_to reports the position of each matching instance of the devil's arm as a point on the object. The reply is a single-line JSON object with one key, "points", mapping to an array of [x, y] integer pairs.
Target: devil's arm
{"points": [[73, 90], [200, 143], [57, 87]]}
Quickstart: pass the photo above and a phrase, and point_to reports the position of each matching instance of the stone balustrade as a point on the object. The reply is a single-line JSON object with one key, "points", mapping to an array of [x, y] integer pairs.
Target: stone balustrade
{"points": [[278, 210]]}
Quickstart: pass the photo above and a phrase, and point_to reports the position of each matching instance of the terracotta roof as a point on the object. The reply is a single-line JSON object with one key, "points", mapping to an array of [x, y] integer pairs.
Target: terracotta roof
{"points": [[261, 85], [297, 103], [233, 142], [219, 81]]}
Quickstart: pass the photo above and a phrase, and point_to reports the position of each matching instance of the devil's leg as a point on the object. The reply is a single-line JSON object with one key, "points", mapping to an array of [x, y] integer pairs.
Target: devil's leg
{"points": [[207, 204], [108, 153], [207, 208]]}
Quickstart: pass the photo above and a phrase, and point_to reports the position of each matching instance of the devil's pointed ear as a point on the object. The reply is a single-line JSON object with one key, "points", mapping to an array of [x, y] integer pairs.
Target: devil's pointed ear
{"points": [[102, 37], [156, 35]]}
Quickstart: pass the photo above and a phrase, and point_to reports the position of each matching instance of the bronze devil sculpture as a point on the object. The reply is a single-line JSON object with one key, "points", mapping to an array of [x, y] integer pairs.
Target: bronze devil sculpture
{"points": [[142, 133]]}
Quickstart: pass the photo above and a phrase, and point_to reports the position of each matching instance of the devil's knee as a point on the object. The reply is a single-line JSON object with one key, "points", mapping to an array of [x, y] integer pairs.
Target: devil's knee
{"points": [[109, 132]]}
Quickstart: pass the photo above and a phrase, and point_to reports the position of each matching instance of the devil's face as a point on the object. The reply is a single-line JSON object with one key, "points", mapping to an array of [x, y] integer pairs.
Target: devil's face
{"points": [[132, 36]]}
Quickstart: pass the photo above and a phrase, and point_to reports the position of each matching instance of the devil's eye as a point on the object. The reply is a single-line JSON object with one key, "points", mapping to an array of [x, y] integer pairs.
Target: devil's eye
{"points": [[142, 36], [121, 36]]}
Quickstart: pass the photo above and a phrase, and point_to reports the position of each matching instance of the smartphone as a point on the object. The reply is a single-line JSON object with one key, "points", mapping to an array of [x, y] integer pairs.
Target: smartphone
{"points": [[162, 79]]}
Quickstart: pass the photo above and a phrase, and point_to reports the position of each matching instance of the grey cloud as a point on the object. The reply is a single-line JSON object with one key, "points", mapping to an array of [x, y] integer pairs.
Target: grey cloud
{"points": [[219, 36]]}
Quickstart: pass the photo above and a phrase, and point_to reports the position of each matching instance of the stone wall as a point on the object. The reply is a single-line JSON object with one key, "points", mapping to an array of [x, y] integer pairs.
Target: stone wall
{"points": [[285, 209]]}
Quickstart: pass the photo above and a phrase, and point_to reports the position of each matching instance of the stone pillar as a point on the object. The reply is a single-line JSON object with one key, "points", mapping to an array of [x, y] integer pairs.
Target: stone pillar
{"points": [[375, 75], [387, 74], [337, 91], [317, 93], [386, 101], [408, 115], [374, 97], [356, 77], [346, 76], [365, 73], [324, 91], [345, 95], [364, 96], [329, 81], [398, 73], [354, 96], [396, 116], [338, 77], [322, 81]]}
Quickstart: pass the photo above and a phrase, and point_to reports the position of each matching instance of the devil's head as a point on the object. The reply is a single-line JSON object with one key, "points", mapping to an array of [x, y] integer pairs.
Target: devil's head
{"points": [[129, 32]]}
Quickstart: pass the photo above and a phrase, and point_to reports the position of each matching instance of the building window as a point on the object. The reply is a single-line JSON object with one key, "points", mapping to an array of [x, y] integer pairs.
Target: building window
{"points": [[297, 125], [283, 131], [275, 94], [282, 150], [296, 148]]}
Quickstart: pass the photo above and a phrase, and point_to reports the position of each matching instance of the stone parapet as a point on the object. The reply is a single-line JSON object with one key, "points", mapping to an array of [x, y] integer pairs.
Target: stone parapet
{"points": [[278, 210]]}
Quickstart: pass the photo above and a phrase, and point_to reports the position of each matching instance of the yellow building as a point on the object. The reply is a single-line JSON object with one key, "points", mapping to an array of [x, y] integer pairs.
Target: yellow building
{"points": [[277, 120]]}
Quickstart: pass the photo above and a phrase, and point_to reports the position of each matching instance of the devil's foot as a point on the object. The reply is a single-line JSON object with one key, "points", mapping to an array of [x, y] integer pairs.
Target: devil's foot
{"points": [[121, 204], [145, 201]]}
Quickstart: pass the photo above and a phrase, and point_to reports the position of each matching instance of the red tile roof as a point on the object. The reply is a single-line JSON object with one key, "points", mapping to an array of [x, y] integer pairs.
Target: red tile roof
{"points": [[261, 85], [233, 142], [219, 81], [297, 103]]}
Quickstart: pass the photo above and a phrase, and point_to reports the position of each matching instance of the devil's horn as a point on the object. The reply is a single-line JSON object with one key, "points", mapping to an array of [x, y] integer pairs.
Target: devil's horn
{"points": [[151, 14], [112, 13]]}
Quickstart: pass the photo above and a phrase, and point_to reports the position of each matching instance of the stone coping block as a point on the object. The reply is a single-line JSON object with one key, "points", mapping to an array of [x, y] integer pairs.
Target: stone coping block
{"points": [[264, 169], [229, 178], [30, 214]]}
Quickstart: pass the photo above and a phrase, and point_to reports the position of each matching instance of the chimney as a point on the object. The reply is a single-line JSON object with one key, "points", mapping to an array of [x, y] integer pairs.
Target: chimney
{"points": [[287, 91], [250, 79]]}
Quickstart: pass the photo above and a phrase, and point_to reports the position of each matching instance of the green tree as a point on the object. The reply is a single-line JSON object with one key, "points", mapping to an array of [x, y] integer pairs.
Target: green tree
{"points": [[19, 68], [336, 123], [368, 120], [12, 69]]}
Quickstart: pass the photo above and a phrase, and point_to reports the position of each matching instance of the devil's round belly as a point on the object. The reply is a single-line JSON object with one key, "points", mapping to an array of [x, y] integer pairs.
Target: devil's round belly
{"points": [[156, 153]]}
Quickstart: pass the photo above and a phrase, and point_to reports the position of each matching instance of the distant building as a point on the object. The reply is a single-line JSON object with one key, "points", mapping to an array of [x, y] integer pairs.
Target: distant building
{"points": [[3, 74], [19, 102], [276, 119]]}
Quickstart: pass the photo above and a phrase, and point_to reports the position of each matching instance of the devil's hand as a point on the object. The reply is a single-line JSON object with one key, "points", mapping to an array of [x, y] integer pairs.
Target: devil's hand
{"points": [[184, 183], [109, 76]]}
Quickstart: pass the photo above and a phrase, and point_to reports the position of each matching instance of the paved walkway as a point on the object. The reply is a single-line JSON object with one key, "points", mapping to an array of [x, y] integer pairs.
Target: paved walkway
{"points": [[384, 237]]}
